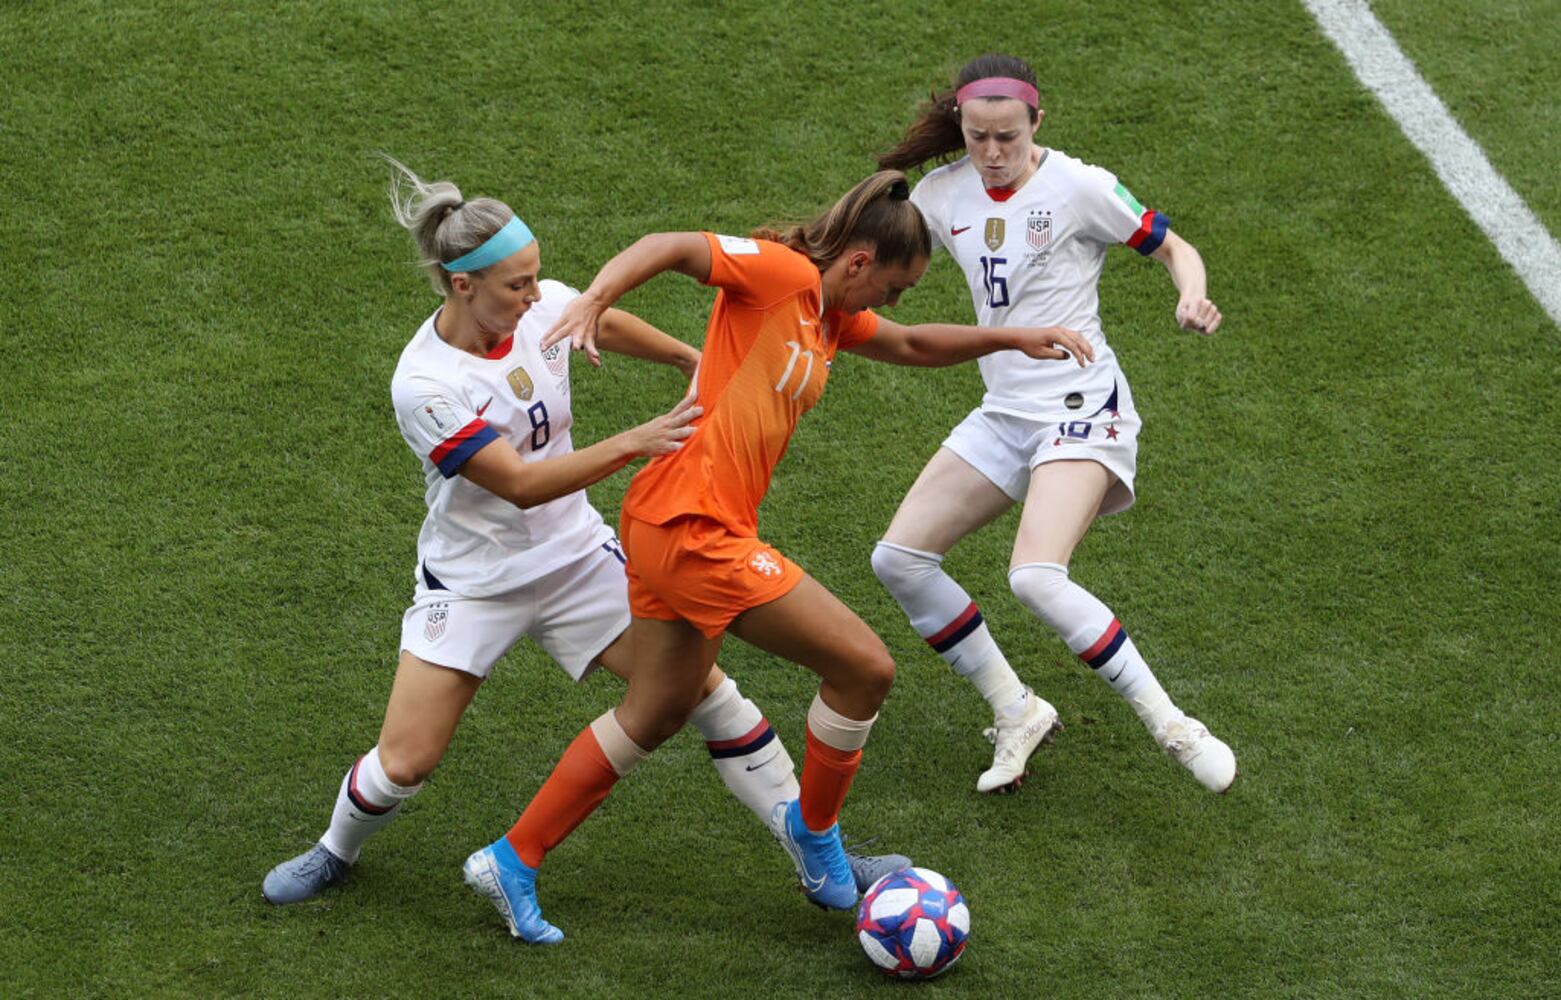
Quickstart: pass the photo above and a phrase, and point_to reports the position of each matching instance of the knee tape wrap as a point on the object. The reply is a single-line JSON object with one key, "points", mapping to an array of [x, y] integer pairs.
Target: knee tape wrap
{"points": [[1040, 587], [898, 566]]}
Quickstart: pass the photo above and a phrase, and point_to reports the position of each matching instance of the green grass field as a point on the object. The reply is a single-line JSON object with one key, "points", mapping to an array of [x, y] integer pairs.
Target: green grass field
{"points": [[1345, 556]]}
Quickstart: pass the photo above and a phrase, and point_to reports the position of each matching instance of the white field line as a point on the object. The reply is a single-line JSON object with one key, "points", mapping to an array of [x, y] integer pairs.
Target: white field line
{"points": [[1490, 201]]}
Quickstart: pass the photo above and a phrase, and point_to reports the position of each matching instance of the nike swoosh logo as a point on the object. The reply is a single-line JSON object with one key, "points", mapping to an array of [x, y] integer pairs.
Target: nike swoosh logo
{"points": [[809, 883], [755, 767], [484, 406], [956, 230]]}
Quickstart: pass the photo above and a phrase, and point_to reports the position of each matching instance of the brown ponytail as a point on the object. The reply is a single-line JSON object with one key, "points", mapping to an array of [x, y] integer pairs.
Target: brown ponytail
{"points": [[935, 134], [877, 212]]}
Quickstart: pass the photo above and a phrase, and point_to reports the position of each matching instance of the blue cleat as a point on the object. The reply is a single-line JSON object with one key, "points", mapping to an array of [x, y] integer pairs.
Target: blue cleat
{"points": [[821, 862], [497, 872], [304, 877]]}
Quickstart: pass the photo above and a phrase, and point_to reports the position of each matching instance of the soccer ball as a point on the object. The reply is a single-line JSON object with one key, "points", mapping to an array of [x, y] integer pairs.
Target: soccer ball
{"points": [[913, 923]]}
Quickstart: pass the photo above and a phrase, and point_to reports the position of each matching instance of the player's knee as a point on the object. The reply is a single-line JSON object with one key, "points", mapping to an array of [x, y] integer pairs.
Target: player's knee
{"points": [[1040, 588], [875, 673], [900, 568], [652, 714], [408, 765]]}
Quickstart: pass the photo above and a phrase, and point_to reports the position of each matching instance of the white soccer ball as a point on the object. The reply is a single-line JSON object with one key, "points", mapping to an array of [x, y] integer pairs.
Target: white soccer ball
{"points": [[913, 923]]}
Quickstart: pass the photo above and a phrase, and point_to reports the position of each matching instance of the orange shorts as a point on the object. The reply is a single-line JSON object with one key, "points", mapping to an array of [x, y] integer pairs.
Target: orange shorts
{"points": [[693, 568]]}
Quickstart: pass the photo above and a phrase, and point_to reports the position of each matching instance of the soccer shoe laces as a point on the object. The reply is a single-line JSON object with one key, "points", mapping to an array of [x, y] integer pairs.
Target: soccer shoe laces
{"points": [[1183, 735], [320, 859]]}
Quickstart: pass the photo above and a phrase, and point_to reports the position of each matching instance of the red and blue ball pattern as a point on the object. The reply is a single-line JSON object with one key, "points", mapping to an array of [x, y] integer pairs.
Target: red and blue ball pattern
{"points": [[913, 923]]}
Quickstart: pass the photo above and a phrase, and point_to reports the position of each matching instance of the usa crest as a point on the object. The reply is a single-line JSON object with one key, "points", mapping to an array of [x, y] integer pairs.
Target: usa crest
{"points": [[994, 232], [521, 383], [438, 618], [1038, 230], [557, 360]]}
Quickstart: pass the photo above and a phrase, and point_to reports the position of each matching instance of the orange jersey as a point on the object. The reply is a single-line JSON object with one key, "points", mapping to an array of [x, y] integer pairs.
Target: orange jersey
{"points": [[767, 354]]}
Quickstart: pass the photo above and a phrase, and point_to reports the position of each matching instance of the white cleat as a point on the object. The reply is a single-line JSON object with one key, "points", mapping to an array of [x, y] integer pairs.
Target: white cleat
{"points": [[1014, 741], [1199, 751]]}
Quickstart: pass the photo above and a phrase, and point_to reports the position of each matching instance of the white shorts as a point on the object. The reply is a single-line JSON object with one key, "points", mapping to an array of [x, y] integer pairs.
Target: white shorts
{"points": [[573, 613], [1005, 448]]}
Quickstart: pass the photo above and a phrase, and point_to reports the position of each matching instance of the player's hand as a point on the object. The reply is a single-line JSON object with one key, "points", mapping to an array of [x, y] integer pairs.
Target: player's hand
{"points": [[577, 324], [1198, 314], [667, 432], [1055, 343]]}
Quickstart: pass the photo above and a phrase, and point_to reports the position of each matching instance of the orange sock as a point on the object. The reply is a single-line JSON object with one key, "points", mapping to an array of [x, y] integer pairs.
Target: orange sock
{"points": [[572, 792], [826, 778]]}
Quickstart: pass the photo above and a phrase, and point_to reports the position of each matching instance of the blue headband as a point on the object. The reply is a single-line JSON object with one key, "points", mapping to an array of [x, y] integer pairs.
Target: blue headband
{"points": [[515, 235]]}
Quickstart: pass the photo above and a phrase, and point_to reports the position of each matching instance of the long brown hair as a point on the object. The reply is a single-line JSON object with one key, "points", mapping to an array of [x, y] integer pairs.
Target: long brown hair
{"points": [[935, 134], [877, 212]]}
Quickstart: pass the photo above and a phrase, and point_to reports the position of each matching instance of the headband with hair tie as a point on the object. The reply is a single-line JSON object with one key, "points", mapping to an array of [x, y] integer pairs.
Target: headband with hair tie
{"points": [[900, 190], [998, 86]]}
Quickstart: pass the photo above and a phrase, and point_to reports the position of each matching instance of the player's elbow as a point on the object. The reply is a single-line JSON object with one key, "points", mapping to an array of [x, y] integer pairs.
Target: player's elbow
{"points": [[522, 490]]}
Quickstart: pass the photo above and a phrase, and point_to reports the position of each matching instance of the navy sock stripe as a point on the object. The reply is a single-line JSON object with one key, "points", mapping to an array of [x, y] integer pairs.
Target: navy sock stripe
{"points": [[1101, 658], [953, 638], [760, 741]]}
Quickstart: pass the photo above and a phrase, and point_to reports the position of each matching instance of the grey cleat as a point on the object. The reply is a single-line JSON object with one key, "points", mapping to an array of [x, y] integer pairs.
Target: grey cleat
{"points": [[869, 868], [304, 877]]}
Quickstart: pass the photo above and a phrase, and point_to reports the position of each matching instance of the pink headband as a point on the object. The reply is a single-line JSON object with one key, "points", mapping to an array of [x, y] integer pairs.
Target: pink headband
{"points": [[998, 86]]}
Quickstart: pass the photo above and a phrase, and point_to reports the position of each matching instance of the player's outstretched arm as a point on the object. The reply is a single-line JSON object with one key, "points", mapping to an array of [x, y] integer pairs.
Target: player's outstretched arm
{"points": [[498, 468], [937, 344], [1194, 311], [687, 253], [627, 334]]}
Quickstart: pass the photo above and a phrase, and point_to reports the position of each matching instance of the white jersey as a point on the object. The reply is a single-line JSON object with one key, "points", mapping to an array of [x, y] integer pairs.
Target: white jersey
{"points": [[449, 404], [1034, 259]]}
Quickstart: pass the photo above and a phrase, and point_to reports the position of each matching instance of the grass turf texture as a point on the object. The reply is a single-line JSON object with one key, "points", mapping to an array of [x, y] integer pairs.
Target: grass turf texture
{"points": [[1343, 556]]}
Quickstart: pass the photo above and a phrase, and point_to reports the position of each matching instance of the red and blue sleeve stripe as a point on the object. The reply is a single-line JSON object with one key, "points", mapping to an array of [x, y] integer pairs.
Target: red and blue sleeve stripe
{"points": [[453, 451], [1150, 233]]}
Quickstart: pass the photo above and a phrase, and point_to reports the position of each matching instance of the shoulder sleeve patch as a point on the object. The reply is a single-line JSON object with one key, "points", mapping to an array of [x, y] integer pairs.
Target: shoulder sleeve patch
{"points": [[1127, 199], [436, 417], [736, 245]]}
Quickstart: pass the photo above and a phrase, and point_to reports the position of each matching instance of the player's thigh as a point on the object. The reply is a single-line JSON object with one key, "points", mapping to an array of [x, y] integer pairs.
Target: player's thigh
{"points": [[618, 660], [426, 704], [1062, 503], [670, 664], [948, 501], [812, 627]]}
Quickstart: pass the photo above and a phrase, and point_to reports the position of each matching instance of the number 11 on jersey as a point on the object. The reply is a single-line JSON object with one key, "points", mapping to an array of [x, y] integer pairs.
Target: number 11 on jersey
{"points": [[996, 284]]}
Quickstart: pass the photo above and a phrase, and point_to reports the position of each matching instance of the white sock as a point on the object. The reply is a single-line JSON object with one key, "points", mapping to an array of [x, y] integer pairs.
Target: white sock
{"points": [[1093, 632], [365, 804], [943, 614], [747, 753]]}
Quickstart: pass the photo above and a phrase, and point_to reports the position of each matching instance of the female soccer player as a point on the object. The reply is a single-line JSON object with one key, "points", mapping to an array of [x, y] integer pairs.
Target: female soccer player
{"points": [[1030, 227], [697, 568], [510, 546]]}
